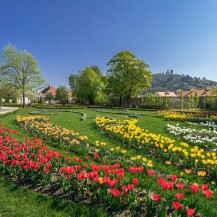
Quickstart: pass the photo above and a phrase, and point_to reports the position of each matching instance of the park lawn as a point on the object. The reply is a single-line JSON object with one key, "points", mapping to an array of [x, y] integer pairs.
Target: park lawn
{"points": [[17, 201], [70, 120]]}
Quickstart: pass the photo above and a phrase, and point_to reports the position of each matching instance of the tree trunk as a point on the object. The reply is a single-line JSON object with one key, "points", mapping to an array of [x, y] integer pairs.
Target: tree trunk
{"points": [[128, 100], [91, 101], [120, 101], [24, 96]]}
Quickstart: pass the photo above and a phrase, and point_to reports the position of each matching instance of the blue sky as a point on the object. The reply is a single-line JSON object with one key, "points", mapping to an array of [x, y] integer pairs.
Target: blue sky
{"points": [[68, 35]]}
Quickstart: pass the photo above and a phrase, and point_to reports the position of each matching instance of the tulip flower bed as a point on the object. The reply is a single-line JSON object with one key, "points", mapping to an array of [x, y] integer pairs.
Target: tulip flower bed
{"points": [[188, 116], [71, 140], [210, 125], [156, 145], [204, 138], [102, 184]]}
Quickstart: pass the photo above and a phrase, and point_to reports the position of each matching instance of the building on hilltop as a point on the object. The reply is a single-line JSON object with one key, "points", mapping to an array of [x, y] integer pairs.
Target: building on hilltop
{"points": [[169, 72]]}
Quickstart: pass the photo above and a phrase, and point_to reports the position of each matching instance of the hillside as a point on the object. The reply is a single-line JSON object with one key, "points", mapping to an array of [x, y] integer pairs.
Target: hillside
{"points": [[172, 82]]}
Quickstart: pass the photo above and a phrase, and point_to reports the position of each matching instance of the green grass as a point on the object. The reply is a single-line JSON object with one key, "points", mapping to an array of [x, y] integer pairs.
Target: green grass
{"points": [[72, 121], [18, 201]]}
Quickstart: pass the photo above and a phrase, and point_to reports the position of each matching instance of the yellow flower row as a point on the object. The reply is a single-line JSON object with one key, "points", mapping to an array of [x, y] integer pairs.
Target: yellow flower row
{"points": [[41, 124], [47, 129], [175, 115], [127, 129]]}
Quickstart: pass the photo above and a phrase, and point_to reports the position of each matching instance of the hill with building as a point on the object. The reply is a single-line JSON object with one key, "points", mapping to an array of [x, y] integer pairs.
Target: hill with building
{"points": [[169, 81]]}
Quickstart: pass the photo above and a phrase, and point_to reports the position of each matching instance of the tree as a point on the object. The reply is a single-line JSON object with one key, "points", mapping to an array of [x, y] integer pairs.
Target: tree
{"points": [[214, 90], [72, 82], [127, 75], [205, 102], [167, 102], [7, 91], [49, 97], [181, 101], [62, 94], [195, 101], [190, 101], [20, 68], [97, 70], [88, 85]]}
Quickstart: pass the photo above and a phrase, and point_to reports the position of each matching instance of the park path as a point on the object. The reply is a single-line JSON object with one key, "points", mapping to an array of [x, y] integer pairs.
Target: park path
{"points": [[4, 109]]}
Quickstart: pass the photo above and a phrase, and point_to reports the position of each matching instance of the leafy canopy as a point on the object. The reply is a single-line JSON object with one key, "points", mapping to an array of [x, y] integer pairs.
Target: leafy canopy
{"points": [[88, 85], [20, 69], [127, 75], [62, 94], [7, 91]]}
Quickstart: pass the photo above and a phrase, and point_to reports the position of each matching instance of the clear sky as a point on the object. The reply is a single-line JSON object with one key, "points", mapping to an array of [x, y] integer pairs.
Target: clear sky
{"points": [[68, 35]]}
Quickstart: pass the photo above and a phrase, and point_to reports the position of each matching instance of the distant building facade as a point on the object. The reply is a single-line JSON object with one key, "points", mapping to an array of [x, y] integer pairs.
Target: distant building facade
{"points": [[44, 92]]}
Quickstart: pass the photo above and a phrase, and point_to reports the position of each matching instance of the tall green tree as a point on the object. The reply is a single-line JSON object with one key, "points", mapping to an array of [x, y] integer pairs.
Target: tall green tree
{"points": [[62, 94], [127, 75], [73, 81], [20, 68], [49, 97], [97, 70], [214, 90], [88, 85], [195, 101], [181, 101], [7, 91]]}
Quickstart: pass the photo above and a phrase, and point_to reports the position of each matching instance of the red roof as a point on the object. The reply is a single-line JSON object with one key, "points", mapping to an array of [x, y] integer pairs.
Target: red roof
{"points": [[209, 93], [49, 89], [198, 92], [184, 93]]}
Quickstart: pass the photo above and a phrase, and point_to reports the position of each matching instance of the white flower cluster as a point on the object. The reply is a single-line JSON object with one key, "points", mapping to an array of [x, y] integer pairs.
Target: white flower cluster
{"points": [[194, 136], [207, 124]]}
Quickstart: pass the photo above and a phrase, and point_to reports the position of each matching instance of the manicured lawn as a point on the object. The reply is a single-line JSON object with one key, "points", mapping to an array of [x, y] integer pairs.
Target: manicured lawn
{"points": [[29, 200], [18, 201]]}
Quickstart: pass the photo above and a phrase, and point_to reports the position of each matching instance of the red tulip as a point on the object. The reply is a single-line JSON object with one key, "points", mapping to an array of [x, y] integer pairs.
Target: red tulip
{"points": [[96, 179], [130, 187], [81, 175], [115, 192], [193, 188], [121, 175], [204, 187], [173, 177], [49, 166], [179, 196], [190, 212], [140, 169], [150, 172], [135, 181], [169, 185], [46, 170], [96, 156], [87, 157], [177, 205], [79, 160], [123, 187], [180, 186], [163, 185], [156, 197], [77, 167], [208, 193], [160, 180]]}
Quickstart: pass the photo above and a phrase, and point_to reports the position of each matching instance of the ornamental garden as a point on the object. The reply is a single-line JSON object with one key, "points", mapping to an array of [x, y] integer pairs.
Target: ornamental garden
{"points": [[121, 162]]}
